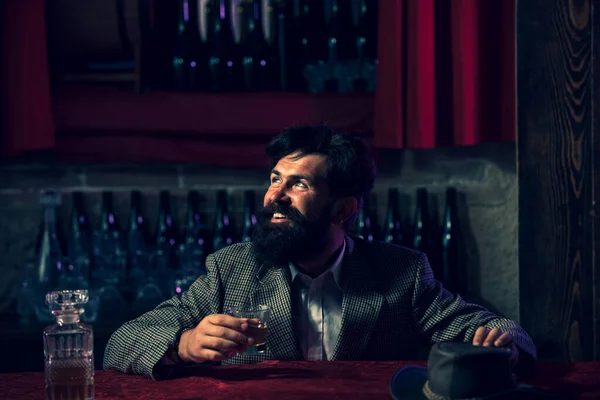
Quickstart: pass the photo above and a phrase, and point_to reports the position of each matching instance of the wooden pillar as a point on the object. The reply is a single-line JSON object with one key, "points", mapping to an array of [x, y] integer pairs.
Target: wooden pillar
{"points": [[557, 134]]}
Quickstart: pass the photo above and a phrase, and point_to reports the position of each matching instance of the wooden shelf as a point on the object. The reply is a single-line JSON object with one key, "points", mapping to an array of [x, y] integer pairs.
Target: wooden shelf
{"points": [[105, 124], [96, 108]]}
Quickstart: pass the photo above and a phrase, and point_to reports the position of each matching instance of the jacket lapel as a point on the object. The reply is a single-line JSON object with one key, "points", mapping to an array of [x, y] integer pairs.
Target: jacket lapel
{"points": [[274, 290], [361, 305]]}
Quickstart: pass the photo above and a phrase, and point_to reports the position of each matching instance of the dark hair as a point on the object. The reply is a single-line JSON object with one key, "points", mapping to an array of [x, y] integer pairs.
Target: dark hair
{"points": [[350, 166]]}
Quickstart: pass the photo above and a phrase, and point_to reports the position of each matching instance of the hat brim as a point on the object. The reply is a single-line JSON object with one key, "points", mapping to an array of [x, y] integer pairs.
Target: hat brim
{"points": [[407, 383]]}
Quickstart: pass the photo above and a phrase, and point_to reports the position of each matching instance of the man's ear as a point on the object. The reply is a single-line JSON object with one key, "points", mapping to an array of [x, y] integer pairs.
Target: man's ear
{"points": [[343, 209]]}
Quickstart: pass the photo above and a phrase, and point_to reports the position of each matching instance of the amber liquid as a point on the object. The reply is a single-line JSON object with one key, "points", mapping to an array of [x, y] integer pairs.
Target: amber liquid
{"points": [[259, 333], [69, 383], [72, 390]]}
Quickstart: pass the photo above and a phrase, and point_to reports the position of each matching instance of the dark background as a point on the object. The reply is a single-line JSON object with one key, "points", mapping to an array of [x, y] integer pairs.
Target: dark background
{"points": [[527, 207]]}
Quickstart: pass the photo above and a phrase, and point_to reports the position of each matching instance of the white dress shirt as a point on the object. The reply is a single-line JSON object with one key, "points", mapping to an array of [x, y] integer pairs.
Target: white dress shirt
{"points": [[317, 309]]}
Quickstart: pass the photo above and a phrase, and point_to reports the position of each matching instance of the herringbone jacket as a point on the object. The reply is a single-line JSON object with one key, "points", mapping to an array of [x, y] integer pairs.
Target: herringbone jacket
{"points": [[390, 304]]}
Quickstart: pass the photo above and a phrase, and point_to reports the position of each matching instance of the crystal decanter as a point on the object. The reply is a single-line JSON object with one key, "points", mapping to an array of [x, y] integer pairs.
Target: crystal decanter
{"points": [[68, 348]]}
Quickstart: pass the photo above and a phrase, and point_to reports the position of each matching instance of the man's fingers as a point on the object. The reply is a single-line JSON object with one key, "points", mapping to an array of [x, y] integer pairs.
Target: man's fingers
{"points": [[210, 355], [494, 337], [228, 334], [480, 335], [238, 324], [504, 339], [217, 343], [491, 337], [216, 349]]}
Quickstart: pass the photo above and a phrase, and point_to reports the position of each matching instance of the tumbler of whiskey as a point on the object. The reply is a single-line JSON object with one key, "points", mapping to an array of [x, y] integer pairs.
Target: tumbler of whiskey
{"points": [[260, 330]]}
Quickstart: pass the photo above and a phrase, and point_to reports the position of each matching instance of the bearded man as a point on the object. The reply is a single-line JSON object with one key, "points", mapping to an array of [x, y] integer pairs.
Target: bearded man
{"points": [[333, 296]]}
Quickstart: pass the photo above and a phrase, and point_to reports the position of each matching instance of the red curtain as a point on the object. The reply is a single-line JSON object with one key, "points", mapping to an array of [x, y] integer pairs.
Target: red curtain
{"points": [[446, 73], [25, 109]]}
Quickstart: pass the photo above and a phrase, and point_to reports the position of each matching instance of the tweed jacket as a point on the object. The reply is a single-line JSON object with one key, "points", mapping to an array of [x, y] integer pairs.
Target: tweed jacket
{"points": [[391, 303]]}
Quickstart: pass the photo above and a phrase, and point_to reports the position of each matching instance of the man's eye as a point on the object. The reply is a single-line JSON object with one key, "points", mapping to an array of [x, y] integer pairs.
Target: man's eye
{"points": [[273, 180], [302, 184]]}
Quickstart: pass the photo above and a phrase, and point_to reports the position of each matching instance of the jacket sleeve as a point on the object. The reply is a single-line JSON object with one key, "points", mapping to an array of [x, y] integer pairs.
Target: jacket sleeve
{"points": [[138, 346], [441, 316]]}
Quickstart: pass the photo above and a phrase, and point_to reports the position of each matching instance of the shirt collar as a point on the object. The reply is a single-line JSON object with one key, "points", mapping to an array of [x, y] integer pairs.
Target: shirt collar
{"points": [[335, 268]]}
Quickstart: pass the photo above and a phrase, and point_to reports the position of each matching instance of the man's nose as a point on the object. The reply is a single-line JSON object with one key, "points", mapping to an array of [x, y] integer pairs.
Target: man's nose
{"points": [[280, 196]]}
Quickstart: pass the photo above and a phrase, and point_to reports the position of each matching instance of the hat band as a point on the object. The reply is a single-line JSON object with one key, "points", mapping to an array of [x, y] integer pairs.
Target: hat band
{"points": [[434, 396]]}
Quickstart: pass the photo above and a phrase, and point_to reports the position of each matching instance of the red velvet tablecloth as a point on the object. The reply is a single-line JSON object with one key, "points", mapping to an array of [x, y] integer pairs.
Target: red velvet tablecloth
{"points": [[284, 380]]}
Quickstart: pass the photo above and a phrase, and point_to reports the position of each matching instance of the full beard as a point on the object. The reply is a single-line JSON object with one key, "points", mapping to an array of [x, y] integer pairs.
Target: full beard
{"points": [[297, 238]]}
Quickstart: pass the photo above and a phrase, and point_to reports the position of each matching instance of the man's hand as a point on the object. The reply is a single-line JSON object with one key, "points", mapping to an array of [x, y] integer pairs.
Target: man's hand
{"points": [[217, 337], [495, 337]]}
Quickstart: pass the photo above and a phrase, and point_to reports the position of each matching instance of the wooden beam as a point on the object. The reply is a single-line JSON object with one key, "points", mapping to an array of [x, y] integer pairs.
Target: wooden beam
{"points": [[555, 156], [596, 172]]}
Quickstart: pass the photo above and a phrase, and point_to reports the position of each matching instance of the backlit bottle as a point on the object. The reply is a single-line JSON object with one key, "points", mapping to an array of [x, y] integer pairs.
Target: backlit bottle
{"points": [[422, 230], [223, 232], [250, 218], [449, 245], [393, 225]]}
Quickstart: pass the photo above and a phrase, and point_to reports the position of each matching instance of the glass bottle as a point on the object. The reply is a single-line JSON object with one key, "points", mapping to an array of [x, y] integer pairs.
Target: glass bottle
{"points": [[341, 32], [143, 275], [364, 226], [314, 50], [293, 55], [258, 68], [393, 226], [196, 240], [273, 29], [223, 235], [49, 255], [193, 247], [341, 44], [167, 243], [49, 248], [366, 45], [109, 272], [188, 48], [68, 348], [138, 251], [449, 253], [109, 261], [253, 44], [79, 246], [366, 22], [284, 37], [225, 61], [421, 236], [250, 218]]}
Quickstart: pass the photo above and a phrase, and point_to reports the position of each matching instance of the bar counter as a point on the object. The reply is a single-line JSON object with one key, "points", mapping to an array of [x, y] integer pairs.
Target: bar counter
{"points": [[288, 380]]}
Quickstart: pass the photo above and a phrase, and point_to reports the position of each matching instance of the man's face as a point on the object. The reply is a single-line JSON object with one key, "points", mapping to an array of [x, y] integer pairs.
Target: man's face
{"points": [[298, 183], [296, 220]]}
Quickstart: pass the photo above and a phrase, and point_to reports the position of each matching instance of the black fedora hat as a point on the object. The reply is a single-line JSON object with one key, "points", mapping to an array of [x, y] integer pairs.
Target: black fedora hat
{"points": [[463, 371]]}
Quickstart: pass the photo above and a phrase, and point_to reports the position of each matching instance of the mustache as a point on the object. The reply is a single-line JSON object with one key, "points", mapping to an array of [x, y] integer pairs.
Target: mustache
{"points": [[292, 213]]}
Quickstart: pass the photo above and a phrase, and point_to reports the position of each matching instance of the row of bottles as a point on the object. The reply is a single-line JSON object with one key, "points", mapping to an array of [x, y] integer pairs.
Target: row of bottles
{"points": [[265, 45], [440, 245], [130, 270]]}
